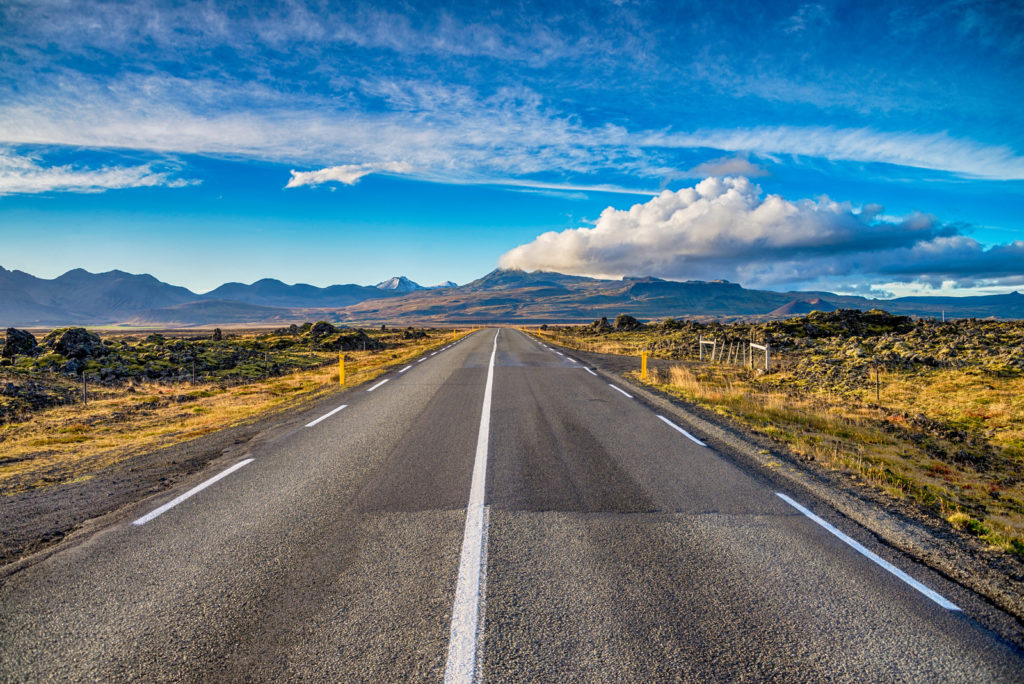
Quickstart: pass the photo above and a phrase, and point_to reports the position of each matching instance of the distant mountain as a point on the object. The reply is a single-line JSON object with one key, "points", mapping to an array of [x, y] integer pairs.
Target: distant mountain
{"points": [[270, 292], [399, 284], [799, 307], [506, 296], [447, 283], [502, 296], [215, 312], [79, 296]]}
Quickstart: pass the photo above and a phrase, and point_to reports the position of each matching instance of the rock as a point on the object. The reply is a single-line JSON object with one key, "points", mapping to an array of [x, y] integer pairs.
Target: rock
{"points": [[601, 325], [322, 329], [79, 343], [18, 342], [73, 367], [627, 322]]}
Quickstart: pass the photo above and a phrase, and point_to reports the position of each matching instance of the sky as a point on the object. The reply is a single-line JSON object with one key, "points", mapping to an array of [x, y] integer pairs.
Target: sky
{"points": [[855, 147]]}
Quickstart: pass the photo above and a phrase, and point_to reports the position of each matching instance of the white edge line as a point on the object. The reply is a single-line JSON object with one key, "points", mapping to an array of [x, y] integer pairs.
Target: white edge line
{"points": [[884, 564], [378, 384], [619, 389], [676, 427], [463, 643], [195, 490], [406, 368], [590, 371], [325, 416]]}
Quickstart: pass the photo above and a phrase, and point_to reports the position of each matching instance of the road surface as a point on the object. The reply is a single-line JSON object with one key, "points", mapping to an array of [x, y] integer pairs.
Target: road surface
{"points": [[495, 511]]}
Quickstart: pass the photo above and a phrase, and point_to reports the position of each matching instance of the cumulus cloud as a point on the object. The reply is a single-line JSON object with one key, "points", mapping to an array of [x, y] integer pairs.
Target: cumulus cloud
{"points": [[23, 174], [348, 174], [724, 228]]}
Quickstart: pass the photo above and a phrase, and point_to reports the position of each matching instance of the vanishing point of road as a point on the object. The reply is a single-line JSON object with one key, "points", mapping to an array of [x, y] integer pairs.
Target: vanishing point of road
{"points": [[495, 511]]}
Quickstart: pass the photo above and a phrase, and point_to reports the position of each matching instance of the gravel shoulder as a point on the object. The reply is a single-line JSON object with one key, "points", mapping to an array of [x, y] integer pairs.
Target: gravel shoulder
{"points": [[995, 576]]}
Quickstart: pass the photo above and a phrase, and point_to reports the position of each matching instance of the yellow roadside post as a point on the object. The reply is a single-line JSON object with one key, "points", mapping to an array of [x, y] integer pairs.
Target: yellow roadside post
{"points": [[341, 367], [643, 364]]}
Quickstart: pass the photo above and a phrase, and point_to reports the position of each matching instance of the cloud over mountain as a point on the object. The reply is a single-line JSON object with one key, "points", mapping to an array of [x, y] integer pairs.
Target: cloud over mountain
{"points": [[724, 228]]}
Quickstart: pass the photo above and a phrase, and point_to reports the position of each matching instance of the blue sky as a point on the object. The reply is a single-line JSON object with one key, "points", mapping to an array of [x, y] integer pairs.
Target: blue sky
{"points": [[855, 147]]}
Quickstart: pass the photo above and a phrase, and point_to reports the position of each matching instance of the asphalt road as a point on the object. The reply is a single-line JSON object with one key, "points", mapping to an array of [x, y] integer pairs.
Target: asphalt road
{"points": [[599, 544]]}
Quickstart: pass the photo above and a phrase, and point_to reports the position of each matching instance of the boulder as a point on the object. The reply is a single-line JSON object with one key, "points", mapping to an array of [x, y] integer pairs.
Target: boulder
{"points": [[601, 325], [627, 322], [18, 342], [322, 329], [79, 343]]}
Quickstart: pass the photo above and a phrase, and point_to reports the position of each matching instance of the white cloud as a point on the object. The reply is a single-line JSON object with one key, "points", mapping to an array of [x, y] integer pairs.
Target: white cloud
{"points": [[348, 174], [724, 228], [727, 166], [938, 151], [21, 174], [448, 134]]}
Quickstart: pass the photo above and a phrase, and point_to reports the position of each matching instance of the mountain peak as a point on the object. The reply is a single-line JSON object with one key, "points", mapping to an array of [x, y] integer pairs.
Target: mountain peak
{"points": [[399, 284], [447, 283]]}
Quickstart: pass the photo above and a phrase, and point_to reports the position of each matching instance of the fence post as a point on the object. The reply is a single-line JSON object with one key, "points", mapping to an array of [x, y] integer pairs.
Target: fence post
{"points": [[643, 365], [341, 368]]}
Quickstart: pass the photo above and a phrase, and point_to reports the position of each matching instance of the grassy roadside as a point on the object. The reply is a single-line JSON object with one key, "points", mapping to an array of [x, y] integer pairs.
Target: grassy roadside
{"points": [[946, 432], [69, 443]]}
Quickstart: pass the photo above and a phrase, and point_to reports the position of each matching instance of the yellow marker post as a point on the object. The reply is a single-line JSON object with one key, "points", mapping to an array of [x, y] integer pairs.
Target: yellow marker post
{"points": [[341, 368], [643, 365]]}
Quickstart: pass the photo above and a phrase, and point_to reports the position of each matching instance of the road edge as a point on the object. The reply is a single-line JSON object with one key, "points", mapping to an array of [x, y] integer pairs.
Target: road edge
{"points": [[901, 532]]}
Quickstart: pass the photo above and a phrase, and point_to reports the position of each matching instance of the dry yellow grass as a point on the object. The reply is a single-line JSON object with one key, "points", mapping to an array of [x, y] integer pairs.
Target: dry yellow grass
{"points": [[70, 443]]}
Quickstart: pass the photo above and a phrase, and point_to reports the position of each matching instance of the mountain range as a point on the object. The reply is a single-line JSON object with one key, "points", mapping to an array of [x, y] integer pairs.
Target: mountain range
{"points": [[502, 296]]}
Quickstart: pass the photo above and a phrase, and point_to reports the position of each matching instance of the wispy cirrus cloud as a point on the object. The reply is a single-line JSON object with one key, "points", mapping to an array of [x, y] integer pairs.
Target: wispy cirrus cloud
{"points": [[25, 174], [724, 228], [937, 151], [448, 133], [727, 166]]}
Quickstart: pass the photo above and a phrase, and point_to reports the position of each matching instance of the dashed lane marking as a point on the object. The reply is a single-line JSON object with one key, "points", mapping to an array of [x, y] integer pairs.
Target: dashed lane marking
{"points": [[326, 416]]}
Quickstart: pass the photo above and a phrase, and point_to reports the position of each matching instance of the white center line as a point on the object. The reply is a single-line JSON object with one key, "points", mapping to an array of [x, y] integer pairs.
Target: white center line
{"points": [[378, 384], [886, 565], [619, 389], [676, 427], [467, 615], [326, 415], [406, 368], [195, 490], [591, 372]]}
